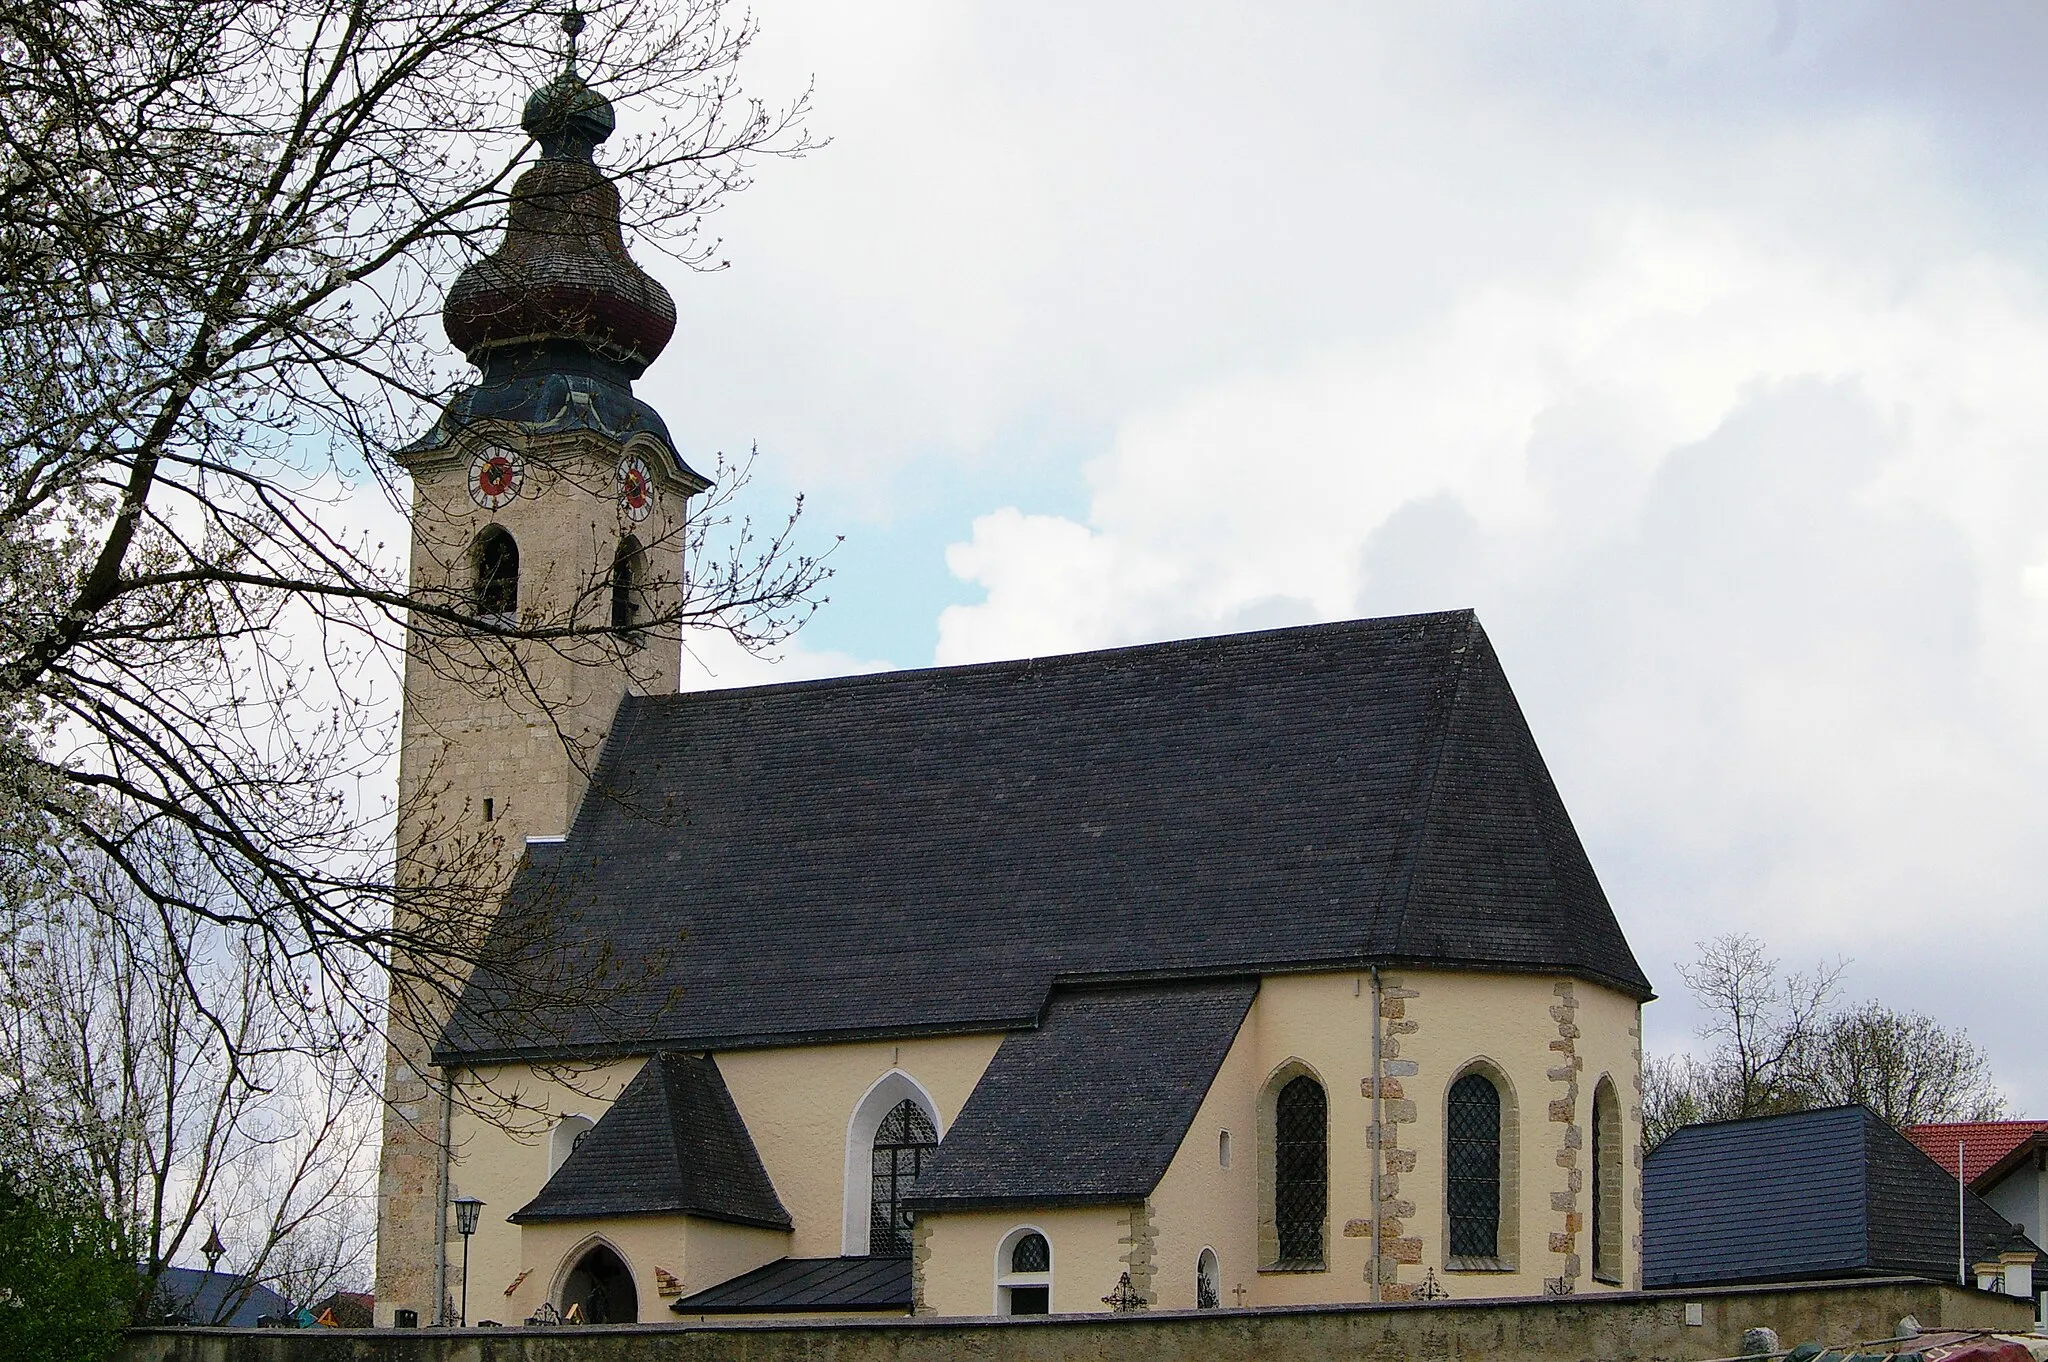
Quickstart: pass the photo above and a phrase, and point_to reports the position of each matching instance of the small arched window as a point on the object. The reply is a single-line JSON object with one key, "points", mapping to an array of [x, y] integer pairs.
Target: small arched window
{"points": [[1024, 1274], [563, 1139], [1208, 1281], [1472, 1177], [904, 1144], [497, 572], [1607, 1141], [627, 573], [1301, 1171]]}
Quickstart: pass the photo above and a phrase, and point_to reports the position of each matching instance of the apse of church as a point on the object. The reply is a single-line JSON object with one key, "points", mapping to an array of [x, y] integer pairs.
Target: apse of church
{"points": [[1257, 970]]}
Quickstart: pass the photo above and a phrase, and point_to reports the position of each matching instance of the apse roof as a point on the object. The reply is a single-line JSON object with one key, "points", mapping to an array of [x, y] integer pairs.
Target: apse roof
{"points": [[1091, 1105], [673, 1143], [1814, 1194], [928, 851]]}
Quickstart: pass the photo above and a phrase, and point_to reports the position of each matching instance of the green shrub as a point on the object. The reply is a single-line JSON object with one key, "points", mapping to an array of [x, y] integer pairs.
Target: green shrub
{"points": [[67, 1275]]}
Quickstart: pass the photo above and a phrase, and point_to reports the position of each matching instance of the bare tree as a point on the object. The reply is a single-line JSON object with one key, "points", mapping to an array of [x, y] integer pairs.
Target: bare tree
{"points": [[193, 1087], [223, 230], [1776, 1045]]}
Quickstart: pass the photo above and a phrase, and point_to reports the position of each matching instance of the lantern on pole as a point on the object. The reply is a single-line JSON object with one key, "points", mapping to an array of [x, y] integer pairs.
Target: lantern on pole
{"points": [[467, 1209]]}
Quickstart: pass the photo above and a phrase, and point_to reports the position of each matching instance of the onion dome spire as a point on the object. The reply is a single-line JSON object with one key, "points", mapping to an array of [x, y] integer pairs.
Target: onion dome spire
{"points": [[561, 279]]}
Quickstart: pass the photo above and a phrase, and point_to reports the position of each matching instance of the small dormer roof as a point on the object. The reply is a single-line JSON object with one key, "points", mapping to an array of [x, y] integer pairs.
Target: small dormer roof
{"points": [[673, 1144]]}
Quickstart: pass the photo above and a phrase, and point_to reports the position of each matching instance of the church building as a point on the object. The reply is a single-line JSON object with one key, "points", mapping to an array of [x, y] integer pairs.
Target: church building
{"points": [[1245, 971]]}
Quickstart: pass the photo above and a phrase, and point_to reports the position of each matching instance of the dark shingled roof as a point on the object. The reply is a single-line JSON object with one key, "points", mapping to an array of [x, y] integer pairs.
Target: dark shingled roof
{"points": [[1815, 1194], [1091, 1106], [808, 1284], [929, 850], [672, 1143]]}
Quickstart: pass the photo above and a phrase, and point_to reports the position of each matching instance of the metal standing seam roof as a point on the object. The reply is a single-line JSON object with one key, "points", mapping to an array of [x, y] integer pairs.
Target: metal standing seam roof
{"points": [[673, 1143], [819, 1285], [1092, 1105], [928, 851], [1817, 1193]]}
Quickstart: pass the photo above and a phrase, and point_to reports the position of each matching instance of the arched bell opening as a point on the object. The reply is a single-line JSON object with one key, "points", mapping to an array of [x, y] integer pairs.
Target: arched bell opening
{"points": [[496, 558], [599, 1289]]}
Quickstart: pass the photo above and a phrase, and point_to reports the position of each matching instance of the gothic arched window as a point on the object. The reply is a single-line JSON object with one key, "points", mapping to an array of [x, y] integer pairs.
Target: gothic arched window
{"points": [[1607, 1139], [497, 572], [1472, 1174], [627, 571], [1301, 1171], [904, 1144]]}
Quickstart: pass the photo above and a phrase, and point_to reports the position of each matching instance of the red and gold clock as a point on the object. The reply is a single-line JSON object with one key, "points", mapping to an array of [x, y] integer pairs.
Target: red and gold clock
{"points": [[636, 487], [494, 477]]}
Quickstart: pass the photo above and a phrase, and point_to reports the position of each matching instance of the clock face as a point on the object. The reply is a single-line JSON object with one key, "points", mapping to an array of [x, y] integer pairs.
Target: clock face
{"points": [[494, 477], [636, 488]]}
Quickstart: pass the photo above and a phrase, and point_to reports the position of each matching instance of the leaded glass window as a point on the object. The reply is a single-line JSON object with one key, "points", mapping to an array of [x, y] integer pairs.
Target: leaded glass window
{"points": [[1600, 1139], [904, 1145], [1301, 1170], [1031, 1254], [1473, 1175]]}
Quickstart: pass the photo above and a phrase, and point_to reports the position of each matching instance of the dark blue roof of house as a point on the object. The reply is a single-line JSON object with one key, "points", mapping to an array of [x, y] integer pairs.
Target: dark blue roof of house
{"points": [[1814, 1194], [929, 851], [812, 1285], [673, 1144], [1091, 1106], [192, 1295]]}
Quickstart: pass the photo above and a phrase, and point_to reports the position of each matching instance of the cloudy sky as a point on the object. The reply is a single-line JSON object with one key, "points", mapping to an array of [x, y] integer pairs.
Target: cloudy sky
{"points": [[1700, 347]]}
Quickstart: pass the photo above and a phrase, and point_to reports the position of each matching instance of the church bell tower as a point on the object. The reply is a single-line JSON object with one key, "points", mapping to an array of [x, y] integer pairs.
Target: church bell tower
{"points": [[548, 524]]}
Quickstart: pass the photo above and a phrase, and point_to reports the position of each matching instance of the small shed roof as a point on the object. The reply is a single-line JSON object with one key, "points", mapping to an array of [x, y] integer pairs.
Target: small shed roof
{"points": [[1091, 1106], [817, 1285]]}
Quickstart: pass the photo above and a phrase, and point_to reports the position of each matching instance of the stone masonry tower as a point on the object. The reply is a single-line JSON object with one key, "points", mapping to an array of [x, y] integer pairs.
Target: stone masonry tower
{"points": [[547, 557]]}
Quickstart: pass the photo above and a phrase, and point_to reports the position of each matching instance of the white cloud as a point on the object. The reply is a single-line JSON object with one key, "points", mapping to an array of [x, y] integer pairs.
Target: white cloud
{"points": [[1753, 537]]}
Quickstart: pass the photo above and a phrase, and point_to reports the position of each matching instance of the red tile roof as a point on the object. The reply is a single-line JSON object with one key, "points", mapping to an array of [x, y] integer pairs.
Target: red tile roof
{"points": [[1986, 1144]]}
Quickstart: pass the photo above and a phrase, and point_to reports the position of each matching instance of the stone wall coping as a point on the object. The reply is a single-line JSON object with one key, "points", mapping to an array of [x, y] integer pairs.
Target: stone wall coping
{"points": [[1674, 1296]]}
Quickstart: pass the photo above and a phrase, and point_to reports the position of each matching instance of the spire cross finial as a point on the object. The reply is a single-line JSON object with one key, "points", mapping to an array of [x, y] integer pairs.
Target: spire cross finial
{"points": [[572, 24]]}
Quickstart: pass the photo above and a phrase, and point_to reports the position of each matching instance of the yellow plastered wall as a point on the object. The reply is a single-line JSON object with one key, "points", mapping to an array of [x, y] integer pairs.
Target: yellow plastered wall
{"points": [[1435, 1023], [1201, 1204], [1090, 1246], [1518, 1023], [796, 1102], [693, 1252]]}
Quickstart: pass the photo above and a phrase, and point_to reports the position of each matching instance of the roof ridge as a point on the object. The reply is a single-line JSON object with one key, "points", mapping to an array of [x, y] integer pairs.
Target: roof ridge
{"points": [[1189, 643]]}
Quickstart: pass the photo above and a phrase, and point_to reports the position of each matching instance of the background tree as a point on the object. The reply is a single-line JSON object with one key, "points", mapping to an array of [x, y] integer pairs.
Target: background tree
{"points": [[1905, 1066], [1776, 1045], [148, 1059]]}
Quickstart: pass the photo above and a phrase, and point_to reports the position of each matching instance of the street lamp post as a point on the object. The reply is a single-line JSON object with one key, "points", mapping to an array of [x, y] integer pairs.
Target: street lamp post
{"points": [[466, 1209]]}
